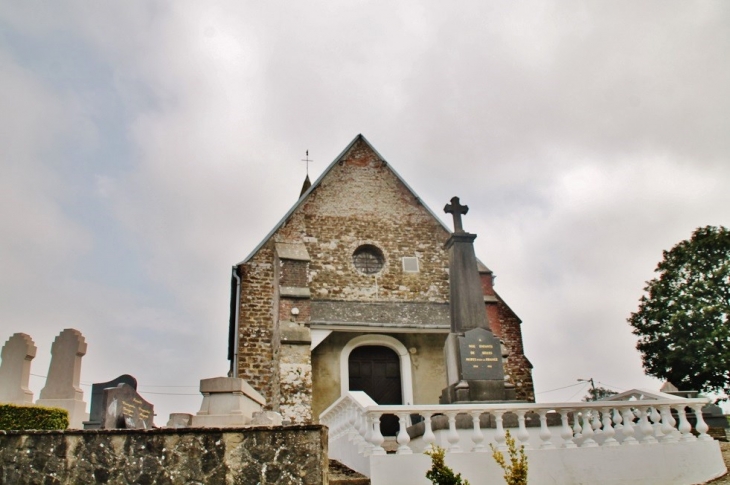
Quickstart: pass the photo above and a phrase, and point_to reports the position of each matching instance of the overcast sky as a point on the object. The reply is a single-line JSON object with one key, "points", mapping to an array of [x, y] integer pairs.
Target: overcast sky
{"points": [[146, 147]]}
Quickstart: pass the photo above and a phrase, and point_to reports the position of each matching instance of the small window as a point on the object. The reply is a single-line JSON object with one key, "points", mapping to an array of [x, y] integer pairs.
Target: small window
{"points": [[368, 259], [410, 264]]}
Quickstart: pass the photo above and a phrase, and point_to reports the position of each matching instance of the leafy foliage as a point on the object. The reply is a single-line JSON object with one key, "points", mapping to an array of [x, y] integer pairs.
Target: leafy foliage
{"points": [[516, 472], [440, 474], [597, 393], [14, 417], [682, 321]]}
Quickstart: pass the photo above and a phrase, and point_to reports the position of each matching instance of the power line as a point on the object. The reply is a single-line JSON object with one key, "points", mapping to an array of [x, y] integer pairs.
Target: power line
{"points": [[559, 388]]}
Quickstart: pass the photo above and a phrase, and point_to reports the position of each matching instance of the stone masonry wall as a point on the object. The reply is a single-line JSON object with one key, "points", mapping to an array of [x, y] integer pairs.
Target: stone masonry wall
{"points": [[258, 342], [295, 455]]}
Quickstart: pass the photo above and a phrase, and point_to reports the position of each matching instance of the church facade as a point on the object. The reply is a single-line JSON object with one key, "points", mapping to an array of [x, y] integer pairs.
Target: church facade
{"points": [[350, 290]]}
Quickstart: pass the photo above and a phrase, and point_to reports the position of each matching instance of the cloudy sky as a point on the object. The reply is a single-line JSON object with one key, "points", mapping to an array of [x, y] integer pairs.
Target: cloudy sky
{"points": [[149, 146]]}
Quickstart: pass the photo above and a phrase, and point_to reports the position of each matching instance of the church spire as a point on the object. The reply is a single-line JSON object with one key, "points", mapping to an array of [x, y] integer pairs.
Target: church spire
{"points": [[307, 182], [306, 185]]}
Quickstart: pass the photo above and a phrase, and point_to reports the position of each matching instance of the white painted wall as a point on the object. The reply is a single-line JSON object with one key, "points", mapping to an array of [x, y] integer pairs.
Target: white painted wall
{"points": [[658, 464]]}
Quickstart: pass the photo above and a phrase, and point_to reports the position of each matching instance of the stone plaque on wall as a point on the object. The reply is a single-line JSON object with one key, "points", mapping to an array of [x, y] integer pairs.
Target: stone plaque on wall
{"points": [[124, 408], [481, 356]]}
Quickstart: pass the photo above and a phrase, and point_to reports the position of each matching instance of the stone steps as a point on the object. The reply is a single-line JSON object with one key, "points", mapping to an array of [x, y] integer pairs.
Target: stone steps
{"points": [[339, 474]]}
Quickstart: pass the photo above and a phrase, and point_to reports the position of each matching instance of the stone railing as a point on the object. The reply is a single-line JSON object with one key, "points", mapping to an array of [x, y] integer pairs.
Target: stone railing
{"points": [[354, 423]]}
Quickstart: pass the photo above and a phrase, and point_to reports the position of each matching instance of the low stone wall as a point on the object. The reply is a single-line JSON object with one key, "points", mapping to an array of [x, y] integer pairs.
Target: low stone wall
{"points": [[194, 456]]}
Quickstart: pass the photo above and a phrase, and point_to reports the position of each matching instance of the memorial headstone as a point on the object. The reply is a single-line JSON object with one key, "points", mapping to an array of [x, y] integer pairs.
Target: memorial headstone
{"points": [[62, 387], [96, 412], [124, 408], [16, 356], [473, 354]]}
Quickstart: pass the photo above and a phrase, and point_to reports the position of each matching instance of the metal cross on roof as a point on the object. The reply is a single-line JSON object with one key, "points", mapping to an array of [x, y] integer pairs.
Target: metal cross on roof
{"points": [[456, 209], [308, 160]]}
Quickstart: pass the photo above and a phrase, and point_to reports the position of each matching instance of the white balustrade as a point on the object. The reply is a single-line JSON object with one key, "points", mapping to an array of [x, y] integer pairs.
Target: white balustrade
{"points": [[355, 422]]}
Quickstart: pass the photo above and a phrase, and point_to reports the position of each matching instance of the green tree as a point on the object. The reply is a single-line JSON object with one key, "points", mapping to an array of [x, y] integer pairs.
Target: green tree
{"points": [[598, 393], [682, 321]]}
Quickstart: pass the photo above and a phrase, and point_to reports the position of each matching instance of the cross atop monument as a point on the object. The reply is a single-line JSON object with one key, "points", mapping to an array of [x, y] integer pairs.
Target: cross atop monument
{"points": [[456, 209]]}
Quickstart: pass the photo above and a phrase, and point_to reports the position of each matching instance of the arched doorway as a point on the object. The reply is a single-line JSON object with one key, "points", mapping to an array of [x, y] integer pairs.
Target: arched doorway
{"points": [[376, 370]]}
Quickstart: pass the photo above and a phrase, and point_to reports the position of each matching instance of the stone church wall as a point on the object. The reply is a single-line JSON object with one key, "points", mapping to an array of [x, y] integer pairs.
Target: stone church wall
{"points": [[294, 455], [359, 201]]}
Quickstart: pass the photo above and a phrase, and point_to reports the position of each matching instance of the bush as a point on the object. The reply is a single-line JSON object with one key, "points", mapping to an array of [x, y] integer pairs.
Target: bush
{"points": [[19, 418], [516, 472], [440, 474]]}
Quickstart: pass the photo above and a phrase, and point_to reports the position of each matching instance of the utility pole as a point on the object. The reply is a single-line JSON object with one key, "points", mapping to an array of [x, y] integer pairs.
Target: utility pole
{"points": [[593, 387]]}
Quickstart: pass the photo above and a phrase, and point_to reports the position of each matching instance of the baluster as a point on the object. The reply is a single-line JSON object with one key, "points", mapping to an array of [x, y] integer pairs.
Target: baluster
{"points": [[595, 422], [645, 426], [403, 438], [701, 426], [577, 429], [368, 425], [617, 419], [608, 431], [453, 435], [377, 437], [628, 427], [499, 435], [428, 437], [655, 424], [522, 433], [668, 422], [352, 433], [545, 433], [684, 427], [477, 436], [588, 441], [566, 432]]}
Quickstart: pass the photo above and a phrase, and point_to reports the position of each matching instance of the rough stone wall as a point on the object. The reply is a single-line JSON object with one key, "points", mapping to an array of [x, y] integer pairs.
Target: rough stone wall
{"points": [[362, 202], [257, 332], [295, 455]]}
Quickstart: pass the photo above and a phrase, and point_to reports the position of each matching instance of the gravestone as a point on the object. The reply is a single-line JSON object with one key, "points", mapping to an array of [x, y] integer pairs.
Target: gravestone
{"points": [[124, 408], [472, 353], [16, 355], [62, 389], [96, 411], [227, 402]]}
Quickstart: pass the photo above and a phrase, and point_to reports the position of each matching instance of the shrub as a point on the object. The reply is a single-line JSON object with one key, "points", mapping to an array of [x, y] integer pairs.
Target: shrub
{"points": [[440, 474], [516, 472], [13, 417]]}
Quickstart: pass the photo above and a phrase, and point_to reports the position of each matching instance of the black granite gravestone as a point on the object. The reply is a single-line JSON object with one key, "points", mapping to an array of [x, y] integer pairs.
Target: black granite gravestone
{"points": [[124, 408], [97, 393], [481, 355]]}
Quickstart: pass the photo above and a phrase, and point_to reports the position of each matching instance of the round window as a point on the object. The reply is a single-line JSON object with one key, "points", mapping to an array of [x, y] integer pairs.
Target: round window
{"points": [[368, 259]]}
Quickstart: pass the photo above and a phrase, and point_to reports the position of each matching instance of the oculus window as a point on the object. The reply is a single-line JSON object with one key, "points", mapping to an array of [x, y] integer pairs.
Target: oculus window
{"points": [[368, 259]]}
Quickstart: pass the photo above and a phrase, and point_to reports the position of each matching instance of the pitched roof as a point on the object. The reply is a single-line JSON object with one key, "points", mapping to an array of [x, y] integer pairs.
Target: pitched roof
{"points": [[317, 182]]}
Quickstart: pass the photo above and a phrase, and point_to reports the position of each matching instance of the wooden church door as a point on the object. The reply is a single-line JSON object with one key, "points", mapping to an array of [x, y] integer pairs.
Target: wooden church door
{"points": [[376, 371]]}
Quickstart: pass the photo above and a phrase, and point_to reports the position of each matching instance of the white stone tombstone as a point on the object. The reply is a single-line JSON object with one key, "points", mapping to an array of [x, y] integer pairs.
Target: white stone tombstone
{"points": [[227, 402], [62, 388], [16, 355]]}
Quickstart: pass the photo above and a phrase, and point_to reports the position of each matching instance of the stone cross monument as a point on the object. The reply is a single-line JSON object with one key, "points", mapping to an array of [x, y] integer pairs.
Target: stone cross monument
{"points": [[16, 355], [64, 375], [474, 368]]}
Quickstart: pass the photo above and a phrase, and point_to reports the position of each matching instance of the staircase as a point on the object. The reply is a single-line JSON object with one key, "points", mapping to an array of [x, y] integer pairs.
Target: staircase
{"points": [[341, 475]]}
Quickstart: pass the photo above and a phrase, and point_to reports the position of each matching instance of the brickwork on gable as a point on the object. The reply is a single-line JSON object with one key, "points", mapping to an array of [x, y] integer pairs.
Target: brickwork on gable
{"points": [[359, 201], [517, 365]]}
